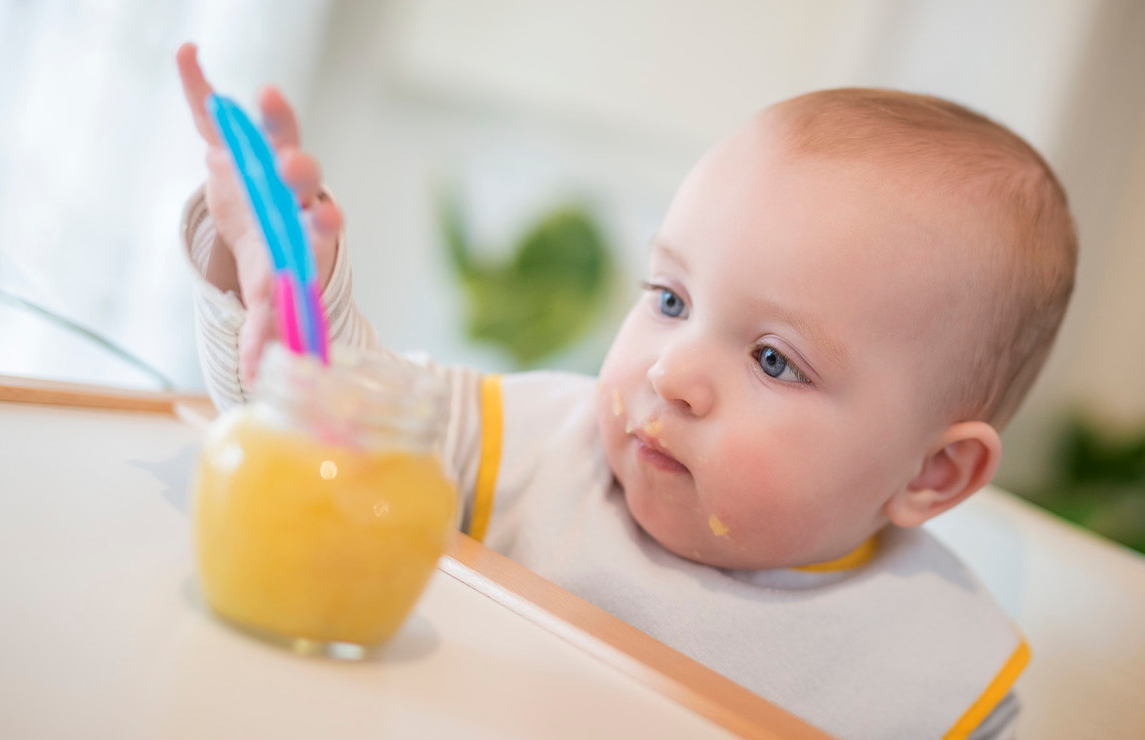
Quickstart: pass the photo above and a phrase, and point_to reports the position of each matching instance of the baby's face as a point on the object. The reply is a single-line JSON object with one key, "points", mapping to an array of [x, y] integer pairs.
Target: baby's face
{"points": [[765, 396]]}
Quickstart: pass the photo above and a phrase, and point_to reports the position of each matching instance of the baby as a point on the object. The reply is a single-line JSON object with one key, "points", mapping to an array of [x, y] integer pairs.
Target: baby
{"points": [[847, 300]]}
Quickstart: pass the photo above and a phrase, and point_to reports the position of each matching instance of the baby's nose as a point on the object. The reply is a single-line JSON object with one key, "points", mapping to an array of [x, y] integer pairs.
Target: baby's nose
{"points": [[681, 378]]}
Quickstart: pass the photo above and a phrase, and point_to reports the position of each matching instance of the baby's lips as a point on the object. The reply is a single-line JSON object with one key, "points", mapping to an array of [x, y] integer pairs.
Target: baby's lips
{"points": [[649, 432], [655, 443]]}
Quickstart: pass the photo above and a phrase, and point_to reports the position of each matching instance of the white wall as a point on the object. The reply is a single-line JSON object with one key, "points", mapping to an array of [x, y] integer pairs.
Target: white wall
{"points": [[98, 154]]}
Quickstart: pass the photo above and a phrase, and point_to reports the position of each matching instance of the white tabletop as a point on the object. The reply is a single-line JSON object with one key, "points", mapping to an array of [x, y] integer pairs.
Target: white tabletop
{"points": [[102, 633]]}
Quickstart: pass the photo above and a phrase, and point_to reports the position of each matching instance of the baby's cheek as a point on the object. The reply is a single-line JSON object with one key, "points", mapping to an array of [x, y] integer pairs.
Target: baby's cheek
{"points": [[753, 467], [756, 486], [619, 363]]}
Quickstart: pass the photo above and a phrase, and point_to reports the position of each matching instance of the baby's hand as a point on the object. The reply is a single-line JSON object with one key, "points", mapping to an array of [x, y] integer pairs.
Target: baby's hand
{"points": [[245, 267]]}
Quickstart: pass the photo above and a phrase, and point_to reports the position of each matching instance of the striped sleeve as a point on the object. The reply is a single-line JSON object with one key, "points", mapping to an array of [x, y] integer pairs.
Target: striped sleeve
{"points": [[219, 316]]}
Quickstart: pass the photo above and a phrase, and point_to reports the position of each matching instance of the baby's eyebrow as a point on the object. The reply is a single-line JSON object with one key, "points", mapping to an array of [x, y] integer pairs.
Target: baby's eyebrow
{"points": [[656, 245], [835, 352]]}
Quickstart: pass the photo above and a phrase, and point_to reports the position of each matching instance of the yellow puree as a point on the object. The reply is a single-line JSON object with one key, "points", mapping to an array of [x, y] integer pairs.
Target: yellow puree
{"points": [[313, 541]]}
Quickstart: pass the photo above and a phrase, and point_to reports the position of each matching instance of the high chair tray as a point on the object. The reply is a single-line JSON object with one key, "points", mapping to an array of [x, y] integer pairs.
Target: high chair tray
{"points": [[103, 633]]}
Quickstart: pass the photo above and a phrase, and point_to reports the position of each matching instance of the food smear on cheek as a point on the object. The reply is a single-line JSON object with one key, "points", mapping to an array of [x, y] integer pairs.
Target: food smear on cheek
{"points": [[617, 404], [719, 529]]}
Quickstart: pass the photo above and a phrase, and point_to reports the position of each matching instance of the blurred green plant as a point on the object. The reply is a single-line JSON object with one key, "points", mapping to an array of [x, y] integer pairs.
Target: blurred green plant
{"points": [[545, 295], [1099, 481]]}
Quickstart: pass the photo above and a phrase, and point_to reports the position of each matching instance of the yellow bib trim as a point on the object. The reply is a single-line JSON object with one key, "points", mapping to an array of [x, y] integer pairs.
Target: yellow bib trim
{"points": [[993, 694], [491, 433], [859, 556]]}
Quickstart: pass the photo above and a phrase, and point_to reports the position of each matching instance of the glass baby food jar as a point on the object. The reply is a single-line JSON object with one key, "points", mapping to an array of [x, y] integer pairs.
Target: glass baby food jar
{"points": [[321, 508]]}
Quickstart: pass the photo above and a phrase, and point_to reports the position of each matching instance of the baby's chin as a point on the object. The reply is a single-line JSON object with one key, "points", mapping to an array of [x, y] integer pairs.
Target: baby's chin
{"points": [[670, 541], [677, 536], [706, 543]]}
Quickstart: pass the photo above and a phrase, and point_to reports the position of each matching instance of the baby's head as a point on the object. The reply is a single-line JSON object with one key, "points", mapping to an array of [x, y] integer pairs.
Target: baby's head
{"points": [[847, 299]]}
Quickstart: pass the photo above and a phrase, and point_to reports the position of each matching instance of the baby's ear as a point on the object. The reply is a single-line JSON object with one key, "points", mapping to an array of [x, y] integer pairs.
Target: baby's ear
{"points": [[961, 462]]}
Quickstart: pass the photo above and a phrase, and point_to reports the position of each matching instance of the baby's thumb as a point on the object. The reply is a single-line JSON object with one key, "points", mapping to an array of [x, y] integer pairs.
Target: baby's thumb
{"points": [[325, 225], [257, 331]]}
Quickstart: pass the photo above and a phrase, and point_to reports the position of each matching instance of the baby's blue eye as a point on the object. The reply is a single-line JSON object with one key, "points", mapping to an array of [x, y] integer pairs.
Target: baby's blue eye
{"points": [[671, 305], [772, 362], [776, 365]]}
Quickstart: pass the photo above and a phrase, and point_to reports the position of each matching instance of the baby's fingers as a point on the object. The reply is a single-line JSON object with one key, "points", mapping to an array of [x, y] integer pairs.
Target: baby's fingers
{"points": [[325, 226], [278, 119], [302, 174], [196, 89], [326, 220]]}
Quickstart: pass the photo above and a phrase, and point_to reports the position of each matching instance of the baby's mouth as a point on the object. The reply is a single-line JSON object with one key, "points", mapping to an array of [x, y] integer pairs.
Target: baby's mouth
{"points": [[653, 451]]}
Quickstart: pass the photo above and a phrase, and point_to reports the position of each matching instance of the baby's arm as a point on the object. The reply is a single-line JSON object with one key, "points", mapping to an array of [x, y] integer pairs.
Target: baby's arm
{"points": [[234, 308], [220, 314], [234, 312], [235, 259]]}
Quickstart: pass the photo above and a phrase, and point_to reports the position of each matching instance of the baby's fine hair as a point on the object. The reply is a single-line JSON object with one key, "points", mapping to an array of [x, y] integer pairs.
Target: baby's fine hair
{"points": [[1026, 278]]}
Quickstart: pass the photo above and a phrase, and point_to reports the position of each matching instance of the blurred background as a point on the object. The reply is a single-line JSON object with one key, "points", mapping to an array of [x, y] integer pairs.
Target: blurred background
{"points": [[476, 144]]}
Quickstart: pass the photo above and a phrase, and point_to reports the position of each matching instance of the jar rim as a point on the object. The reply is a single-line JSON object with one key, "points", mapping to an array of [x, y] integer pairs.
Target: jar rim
{"points": [[362, 397]]}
